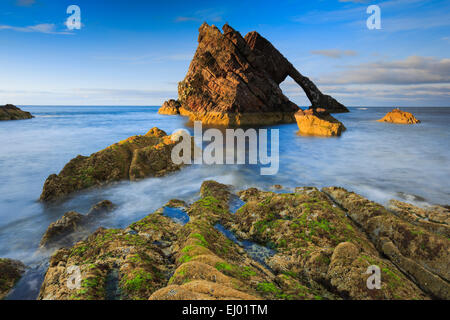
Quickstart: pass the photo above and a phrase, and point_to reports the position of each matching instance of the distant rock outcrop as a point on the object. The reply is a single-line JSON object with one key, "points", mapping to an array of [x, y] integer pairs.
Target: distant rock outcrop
{"points": [[318, 251], [235, 81], [318, 123], [133, 159], [400, 117], [10, 273], [10, 112]]}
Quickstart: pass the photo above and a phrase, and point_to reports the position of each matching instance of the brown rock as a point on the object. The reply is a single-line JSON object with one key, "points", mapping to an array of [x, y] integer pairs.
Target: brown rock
{"points": [[10, 112], [235, 81], [400, 117], [315, 123], [10, 273]]}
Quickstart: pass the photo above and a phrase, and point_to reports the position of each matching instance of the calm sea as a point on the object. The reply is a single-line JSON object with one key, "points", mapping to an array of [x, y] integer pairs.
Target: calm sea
{"points": [[378, 160]]}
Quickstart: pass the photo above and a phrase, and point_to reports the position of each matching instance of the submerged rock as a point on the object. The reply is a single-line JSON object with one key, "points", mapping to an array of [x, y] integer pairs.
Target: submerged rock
{"points": [[11, 112], [73, 221], [314, 123], [235, 81], [10, 272], [132, 159], [435, 219], [400, 117], [170, 107]]}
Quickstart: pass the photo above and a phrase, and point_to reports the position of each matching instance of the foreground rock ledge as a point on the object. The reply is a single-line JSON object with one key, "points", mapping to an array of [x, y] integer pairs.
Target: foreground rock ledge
{"points": [[235, 81], [10, 273], [320, 252], [11, 112], [399, 117], [133, 159]]}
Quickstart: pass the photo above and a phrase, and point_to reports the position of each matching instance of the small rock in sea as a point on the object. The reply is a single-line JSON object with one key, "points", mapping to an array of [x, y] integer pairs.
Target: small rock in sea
{"points": [[399, 117], [317, 122]]}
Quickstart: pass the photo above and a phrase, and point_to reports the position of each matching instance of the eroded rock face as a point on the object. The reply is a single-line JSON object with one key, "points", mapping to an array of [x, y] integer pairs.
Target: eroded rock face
{"points": [[132, 159], [322, 252], [235, 81], [10, 273], [170, 107], [400, 117], [314, 123], [417, 251], [11, 112], [73, 221]]}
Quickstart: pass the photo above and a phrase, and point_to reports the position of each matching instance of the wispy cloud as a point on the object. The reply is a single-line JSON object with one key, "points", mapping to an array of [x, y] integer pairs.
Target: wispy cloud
{"points": [[412, 70], [334, 53], [415, 80], [25, 3], [48, 28], [212, 15]]}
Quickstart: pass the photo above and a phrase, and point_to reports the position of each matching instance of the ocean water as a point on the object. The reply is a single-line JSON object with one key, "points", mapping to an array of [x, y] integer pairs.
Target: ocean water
{"points": [[378, 160]]}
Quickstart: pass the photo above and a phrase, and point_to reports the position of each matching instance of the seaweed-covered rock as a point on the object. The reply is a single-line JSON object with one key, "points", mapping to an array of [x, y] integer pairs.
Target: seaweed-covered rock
{"points": [[313, 123], [112, 263], [10, 273], [421, 254], [234, 81], [11, 112], [73, 221], [318, 245], [399, 117], [132, 159]]}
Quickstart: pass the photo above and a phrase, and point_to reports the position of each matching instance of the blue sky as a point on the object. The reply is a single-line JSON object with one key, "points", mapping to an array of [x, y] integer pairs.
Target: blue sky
{"points": [[134, 52]]}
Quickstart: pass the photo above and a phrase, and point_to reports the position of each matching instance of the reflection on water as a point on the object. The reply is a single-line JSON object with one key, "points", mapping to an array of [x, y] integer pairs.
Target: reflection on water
{"points": [[177, 214], [379, 160]]}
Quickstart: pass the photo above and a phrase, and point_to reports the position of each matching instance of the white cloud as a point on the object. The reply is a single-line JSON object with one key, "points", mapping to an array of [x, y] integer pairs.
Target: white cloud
{"points": [[25, 3], [412, 70], [48, 28], [334, 53]]}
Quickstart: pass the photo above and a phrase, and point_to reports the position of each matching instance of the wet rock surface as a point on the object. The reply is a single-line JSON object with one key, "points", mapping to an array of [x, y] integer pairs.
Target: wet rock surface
{"points": [[235, 81], [62, 230], [318, 250], [11, 112], [132, 159], [420, 253], [10, 273]]}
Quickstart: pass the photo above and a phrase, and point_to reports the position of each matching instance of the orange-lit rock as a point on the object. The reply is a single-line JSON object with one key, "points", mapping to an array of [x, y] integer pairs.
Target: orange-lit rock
{"points": [[400, 117]]}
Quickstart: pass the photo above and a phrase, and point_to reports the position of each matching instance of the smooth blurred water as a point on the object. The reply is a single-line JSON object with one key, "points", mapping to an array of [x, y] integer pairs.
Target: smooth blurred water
{"points": [[378, 160]]}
